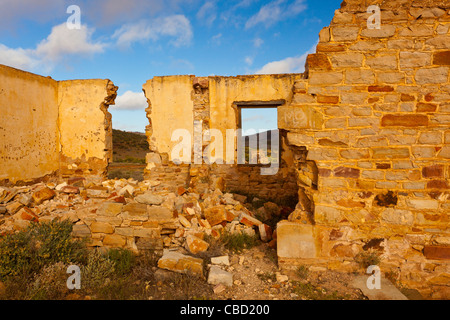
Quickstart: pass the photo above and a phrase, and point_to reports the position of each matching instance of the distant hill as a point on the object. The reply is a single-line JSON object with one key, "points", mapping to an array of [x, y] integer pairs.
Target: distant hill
{"points": [[129, 147], [261, 137]]}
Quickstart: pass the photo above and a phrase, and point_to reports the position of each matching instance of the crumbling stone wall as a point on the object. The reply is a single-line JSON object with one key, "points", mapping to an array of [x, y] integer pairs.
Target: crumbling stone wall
{"points": [[380, 140], [178, 102], [53, 128]]}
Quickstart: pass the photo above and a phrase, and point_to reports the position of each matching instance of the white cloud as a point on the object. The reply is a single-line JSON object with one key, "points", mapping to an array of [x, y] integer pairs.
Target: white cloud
{"points": [[177, 26], [130, 101], [61, 43], [258, 42], [207, 13], [249, 60], [287, 65], [275, 11], [17, 58]]}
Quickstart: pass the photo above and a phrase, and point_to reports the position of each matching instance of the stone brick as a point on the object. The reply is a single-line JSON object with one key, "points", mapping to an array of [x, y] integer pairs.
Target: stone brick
{"points": [[416, 30], [347, 60], [390, 153], [359, 76], [386, 31], [439, 42], [414, 59], [114, 240], [43, 195], [81, 231], [110, 209], [437, 184], [373, 174], [178, 262], [330, 47], [344, 33], [432, 75], [433, 137], [385, 62], [398, 216], [426, 107], [248, 220], [422, 204], [391, 77], [423, 151], [436, 252], [215, 215], [441, 58], [325, 78], [445, 152], [159, 213], [318, 61], [327, 99], [406, 120], [345, 172], [196, 245], [380, 89], [101, 227], [135, 212], [348, 203]]}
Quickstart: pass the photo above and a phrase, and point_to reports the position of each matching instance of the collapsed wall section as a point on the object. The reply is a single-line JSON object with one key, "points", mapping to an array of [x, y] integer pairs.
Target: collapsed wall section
{"points": [[85, 126], [199, 106]]}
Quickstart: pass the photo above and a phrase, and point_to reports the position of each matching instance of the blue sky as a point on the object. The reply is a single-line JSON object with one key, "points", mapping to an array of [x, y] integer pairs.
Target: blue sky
{"points": [[132, 41]]}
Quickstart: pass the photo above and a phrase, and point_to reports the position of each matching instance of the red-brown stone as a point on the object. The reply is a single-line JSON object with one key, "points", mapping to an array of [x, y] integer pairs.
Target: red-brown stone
{"points": [[437, 252]]}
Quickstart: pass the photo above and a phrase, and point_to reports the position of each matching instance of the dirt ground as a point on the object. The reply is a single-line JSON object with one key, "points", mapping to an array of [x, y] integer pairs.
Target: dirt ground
{"points": [[256, 276]]}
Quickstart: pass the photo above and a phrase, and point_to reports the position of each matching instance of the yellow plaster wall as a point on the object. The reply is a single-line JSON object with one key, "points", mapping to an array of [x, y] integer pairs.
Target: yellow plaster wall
{"points": [[29, 139], [82, 121], [171, 109]]}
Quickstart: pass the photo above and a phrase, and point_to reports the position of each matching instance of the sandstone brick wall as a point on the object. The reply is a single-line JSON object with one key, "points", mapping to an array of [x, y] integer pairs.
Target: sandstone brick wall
{"points": [[381, 139], [53, 127]]}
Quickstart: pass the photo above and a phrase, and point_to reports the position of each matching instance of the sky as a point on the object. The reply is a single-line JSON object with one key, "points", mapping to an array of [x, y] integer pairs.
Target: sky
{"points": [[130, 42]]}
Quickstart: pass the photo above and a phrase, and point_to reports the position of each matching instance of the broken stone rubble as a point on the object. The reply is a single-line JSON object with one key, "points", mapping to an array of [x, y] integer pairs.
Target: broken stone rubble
{"points": [[128, 213]]}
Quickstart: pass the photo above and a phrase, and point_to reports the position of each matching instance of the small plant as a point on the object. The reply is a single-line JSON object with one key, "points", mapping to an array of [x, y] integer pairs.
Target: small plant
{"points": [[40, 245], [267, 276], [302, 272], [50, 283], [97, 272], [123, 260], [238, 241], [366, 259]]}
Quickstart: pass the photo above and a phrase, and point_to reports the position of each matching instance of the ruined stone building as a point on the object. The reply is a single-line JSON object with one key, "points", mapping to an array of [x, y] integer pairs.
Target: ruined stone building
{"points": [[364, 136]]}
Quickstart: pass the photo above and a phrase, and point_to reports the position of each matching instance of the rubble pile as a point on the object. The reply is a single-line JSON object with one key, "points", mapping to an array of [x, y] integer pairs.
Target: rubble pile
{"points": [[131, 214]]}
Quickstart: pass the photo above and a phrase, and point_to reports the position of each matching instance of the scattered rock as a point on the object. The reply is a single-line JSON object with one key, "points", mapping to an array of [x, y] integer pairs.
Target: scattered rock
{"points": [[149, 198], [222, 260], [195, 245], [178, 262], [43, 195], [218, 276]]}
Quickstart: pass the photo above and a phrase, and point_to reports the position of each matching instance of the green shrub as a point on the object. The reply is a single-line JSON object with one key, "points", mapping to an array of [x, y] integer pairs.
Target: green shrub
{"points": [[237, 241], [97, 272], [40, 245], [50, 283], [366, 259], [123, 259]]}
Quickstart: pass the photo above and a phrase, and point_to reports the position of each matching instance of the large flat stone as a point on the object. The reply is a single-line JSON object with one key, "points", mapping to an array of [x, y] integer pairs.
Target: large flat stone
{"points": [[295, 240], [387, 290], [178, 262]]}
